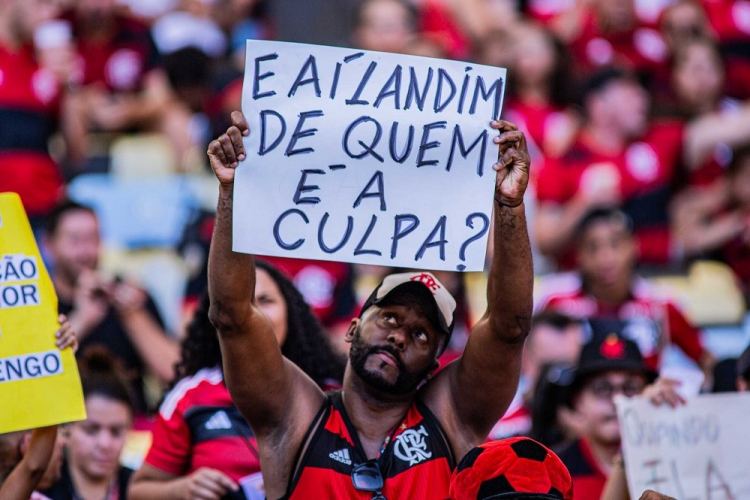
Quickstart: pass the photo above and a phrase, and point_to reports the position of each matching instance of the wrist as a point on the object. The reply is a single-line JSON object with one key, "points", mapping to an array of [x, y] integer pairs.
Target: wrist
{"points": [[503, 204]]}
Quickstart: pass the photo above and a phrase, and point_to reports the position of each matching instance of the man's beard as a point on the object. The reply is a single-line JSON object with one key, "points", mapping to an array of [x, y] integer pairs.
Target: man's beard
{"points": [[406, 381]]}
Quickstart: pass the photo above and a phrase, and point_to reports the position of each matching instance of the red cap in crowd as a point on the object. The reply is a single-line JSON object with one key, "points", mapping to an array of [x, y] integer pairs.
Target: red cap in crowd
{"points": [[510, 469]]}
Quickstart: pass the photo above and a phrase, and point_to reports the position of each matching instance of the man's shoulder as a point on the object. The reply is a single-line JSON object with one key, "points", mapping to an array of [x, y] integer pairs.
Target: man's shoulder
{"points": [[206, 384], [555, 288]]}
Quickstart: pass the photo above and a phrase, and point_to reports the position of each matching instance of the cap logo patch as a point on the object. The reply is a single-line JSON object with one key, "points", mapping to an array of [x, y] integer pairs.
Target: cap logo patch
{"points": [[613, 347], [427, 280]]}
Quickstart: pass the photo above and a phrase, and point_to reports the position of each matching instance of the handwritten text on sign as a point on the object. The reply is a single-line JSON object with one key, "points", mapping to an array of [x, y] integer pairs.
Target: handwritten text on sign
{"points": [[366, 157], [695, 452]]}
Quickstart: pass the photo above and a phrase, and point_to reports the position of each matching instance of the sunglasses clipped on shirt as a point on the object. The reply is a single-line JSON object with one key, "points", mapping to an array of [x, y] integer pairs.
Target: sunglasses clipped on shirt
{"points": [[367, 477]]}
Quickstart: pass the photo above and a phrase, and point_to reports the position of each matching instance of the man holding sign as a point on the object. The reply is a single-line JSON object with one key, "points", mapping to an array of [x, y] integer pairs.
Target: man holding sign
{"points": [[395, 431]]}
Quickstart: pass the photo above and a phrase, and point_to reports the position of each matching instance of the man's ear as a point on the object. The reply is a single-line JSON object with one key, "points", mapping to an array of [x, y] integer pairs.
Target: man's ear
{"points": [[349, 335]]}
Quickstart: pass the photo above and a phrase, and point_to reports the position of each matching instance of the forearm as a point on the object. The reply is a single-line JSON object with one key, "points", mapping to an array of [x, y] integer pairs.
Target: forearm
{"points": [[81, 326], [704, 134], [511, 280], [231, 275], [700, 237], [616, 487], [26, 475], [555, 225], [158, 352]]}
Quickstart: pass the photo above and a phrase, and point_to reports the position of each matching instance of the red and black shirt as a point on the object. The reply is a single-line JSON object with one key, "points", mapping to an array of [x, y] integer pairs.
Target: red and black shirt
{"points": [[29, 104], [588, 477], [652, 321], [416, 464], [642, 173], [199, 426]]}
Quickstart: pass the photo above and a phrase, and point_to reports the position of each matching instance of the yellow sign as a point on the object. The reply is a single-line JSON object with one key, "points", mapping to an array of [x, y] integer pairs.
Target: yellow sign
{"points": [[39, 384]]}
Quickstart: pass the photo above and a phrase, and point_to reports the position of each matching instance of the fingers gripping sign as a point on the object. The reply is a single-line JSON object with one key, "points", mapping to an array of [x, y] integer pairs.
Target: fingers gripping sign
{"points": [[227, 151], [513, 164]]}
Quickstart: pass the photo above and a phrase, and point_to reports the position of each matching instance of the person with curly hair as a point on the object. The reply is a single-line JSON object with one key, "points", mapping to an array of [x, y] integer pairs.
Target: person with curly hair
{"points": [[203, 448]]}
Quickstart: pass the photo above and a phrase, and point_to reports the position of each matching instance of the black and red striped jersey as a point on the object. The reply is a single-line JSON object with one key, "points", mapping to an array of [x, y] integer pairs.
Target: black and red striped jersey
{"points": [[416, 464], [199, 426], [29, 105]]}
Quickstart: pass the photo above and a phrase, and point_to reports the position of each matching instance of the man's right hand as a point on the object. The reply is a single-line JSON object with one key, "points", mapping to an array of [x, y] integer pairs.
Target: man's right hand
{"points": [[227, 151], [206, 484]]}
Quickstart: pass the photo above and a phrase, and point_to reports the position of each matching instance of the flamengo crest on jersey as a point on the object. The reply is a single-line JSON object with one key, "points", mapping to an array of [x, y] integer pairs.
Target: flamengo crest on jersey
{"points": [[411, 447]]}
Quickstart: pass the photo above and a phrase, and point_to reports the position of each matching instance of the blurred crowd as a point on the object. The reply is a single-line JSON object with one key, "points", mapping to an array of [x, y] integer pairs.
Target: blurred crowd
{"points": [[637, 115]]}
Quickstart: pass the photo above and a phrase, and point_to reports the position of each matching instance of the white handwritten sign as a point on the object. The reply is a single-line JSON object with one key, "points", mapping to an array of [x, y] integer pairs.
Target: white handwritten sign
{"points": [[366, 157], [695, 452]]}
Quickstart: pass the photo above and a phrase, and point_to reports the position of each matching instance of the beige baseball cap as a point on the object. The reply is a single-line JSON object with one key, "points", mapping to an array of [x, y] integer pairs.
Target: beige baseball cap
{"points": [[445, 302]]}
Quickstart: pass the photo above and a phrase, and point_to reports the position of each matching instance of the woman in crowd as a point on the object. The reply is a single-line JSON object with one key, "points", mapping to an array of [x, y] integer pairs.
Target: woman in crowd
{"points": [[92, 470], [32, 459], [202, 446], [539, 85]]}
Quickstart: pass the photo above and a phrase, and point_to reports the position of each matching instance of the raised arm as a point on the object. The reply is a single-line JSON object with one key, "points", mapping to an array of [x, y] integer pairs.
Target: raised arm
{"points": [[705, 133], [263, 384], [482, 383]]}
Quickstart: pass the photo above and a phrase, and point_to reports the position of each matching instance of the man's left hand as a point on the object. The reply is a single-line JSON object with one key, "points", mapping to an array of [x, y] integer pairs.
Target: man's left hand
{"points": [[513, 163]]}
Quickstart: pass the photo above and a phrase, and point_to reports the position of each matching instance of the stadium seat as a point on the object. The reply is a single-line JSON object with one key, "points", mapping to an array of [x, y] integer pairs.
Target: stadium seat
{"points": [[142, 155], [137, 213]]}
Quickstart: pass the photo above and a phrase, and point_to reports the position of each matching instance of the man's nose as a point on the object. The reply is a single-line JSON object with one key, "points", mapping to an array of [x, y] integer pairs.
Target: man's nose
{"points": [[397, 337]]}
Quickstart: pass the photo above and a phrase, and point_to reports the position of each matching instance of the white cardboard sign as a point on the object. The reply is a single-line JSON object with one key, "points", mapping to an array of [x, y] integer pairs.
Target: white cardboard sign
{"points": [[694, 452], [366, 157]]}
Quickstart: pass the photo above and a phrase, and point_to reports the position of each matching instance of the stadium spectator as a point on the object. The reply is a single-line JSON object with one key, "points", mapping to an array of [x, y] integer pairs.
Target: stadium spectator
{"points": [[606, 286], [618, 160], [551, 424], [539, 92], [717, 123], [608, 32], [200, 436], [385, 25], [358, 435], [111, 313], [554, 338], [122, 86], [91, 468], [327, 22], [328, 287], [30, 96], [728, 19], [33, 459], [714, 221], [608, 365]]}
